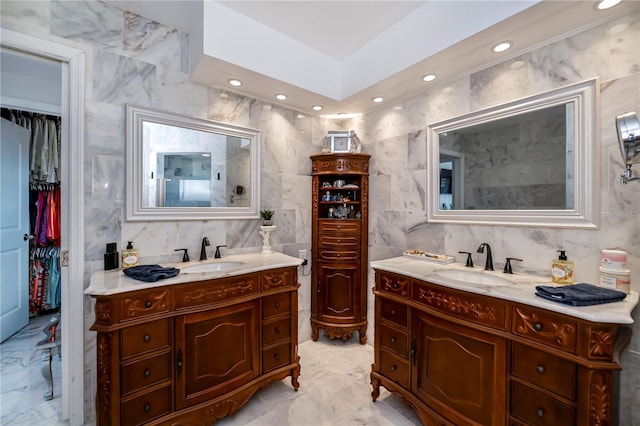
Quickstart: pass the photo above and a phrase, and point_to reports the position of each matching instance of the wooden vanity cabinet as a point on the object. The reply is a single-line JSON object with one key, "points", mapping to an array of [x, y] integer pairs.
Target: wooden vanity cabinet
{"points": [[196, 352], [460, 358], [339, 245]]}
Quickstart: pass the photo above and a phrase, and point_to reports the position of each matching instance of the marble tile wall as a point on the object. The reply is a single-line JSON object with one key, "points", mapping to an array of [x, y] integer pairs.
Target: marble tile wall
{"points": [[133, 59]]}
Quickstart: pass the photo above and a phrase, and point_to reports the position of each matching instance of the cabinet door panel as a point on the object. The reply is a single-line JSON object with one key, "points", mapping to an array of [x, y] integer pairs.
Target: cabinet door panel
{"points": [[218, 351], [460, 370], [337, 298]]}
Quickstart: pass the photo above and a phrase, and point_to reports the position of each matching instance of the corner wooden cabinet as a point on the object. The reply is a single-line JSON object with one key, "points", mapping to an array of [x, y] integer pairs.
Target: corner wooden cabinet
{"points": [[460, 358], [340, 191], [193, 353]]}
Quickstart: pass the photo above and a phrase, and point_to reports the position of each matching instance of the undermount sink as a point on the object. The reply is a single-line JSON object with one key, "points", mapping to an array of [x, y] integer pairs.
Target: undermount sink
{"points": [[473, 277], [211, 267]]}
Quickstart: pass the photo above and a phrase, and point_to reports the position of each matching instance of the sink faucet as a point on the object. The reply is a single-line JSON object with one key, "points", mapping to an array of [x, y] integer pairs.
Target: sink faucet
{"points": [[203, 250], [488, 265], [217, 255]]}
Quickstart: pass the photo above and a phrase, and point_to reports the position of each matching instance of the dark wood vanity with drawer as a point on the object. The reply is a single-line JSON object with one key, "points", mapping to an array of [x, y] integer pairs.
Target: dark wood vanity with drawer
{"points": [[195, 352], [460, 358]]}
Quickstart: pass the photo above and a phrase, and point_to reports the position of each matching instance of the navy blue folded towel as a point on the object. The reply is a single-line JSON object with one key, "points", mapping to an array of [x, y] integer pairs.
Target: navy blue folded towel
{"points": [[581, 294], [150, 273]]}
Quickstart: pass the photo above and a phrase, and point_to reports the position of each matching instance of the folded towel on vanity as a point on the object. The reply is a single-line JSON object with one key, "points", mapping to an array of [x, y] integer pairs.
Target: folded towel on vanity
{"points": [[150, 273], [581, 294]]}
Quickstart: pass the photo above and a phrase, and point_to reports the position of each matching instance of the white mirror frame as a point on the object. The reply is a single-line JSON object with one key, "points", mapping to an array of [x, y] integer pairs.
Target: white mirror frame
{"points": [[135, 211], [584, 96]]}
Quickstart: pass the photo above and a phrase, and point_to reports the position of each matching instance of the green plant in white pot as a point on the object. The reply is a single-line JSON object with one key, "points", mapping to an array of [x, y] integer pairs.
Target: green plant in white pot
{"points": [[266, 217]]}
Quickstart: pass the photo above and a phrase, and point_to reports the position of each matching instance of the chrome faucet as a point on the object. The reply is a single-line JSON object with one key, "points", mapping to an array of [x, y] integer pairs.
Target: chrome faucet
{"points": [[488, 265], [203, 248]]}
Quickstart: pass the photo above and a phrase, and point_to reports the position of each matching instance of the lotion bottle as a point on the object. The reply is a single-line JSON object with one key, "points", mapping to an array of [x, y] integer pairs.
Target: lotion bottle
{"points": [[562, 269], [129, 256]]}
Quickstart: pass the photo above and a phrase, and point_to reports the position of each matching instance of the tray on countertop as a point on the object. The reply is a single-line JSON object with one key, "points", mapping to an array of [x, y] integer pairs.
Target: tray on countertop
{"points": [[429, 257]]}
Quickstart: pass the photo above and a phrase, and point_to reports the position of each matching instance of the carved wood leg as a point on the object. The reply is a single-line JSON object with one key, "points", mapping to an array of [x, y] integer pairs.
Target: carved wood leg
{"points": [[363, 334], [45, 369], [314, 332], [375, 382], [295, 373]]}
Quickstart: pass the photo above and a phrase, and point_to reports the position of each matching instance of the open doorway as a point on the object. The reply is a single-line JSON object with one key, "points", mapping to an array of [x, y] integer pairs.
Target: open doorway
{"points": [[72, 77]]}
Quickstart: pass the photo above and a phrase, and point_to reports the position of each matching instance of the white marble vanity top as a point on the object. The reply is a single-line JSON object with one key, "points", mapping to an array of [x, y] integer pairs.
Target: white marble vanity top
{"points": [[522, 290], [105, 283]]}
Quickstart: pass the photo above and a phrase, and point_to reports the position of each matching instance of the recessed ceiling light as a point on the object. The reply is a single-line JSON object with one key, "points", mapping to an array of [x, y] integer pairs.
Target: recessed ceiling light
{"points": [[300, 116], [342, 114], [606, 4], [317, 107], [516, 64], [235, 82], [502, 46], [281, 96], [428, 77], [378, 99]]}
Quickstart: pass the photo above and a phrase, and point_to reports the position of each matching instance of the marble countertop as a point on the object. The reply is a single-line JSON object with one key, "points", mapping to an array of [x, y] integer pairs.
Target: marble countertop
{"points": [[521, 289], [105, 283]]}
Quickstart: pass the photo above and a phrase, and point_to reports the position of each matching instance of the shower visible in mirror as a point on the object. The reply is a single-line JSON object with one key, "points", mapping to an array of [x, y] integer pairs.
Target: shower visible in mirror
{"points": [[628, 128]]}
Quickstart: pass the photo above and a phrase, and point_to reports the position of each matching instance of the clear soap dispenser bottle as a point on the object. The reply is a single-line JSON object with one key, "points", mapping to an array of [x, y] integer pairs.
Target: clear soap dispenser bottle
{"points": [[129, 256], [562, 269]]}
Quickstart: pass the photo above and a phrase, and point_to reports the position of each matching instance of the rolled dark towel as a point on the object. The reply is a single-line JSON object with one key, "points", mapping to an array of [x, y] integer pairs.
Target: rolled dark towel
{"points": [[150, 273], [581, 294]]}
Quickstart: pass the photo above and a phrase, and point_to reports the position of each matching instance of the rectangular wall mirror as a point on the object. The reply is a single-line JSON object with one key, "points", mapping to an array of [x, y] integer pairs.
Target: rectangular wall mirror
{"points": [[185, 168], [529, 162]]}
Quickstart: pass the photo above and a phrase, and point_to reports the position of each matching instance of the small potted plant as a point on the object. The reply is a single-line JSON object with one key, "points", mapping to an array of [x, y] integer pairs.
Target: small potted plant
{"points": [[266, 217]]}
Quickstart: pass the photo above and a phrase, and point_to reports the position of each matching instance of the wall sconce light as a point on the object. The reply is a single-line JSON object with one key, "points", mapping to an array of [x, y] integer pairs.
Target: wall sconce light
{"points": [[628, 128]]}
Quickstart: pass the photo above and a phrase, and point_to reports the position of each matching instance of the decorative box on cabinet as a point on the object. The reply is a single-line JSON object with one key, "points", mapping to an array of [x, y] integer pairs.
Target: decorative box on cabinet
{"points": [[461, 358], [195, 352], [340, 191]]}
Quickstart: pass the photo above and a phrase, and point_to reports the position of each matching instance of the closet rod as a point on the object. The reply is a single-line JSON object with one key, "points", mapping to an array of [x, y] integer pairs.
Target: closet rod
{"points": [[27, 110]]}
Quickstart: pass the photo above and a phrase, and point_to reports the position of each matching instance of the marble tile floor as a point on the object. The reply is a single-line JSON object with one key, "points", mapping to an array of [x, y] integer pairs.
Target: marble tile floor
{"points": [[21, 383], [334, 390]]}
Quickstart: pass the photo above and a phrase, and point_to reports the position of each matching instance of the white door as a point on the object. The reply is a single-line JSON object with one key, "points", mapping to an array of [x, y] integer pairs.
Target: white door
{"points": [[14, 226]]}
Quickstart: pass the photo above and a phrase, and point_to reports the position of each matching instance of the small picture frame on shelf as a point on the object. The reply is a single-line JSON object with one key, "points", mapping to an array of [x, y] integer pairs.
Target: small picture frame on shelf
{"points": [[343, 141]]}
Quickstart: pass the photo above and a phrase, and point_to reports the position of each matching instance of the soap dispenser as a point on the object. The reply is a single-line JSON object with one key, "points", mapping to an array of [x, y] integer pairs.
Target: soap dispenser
{"points": [[562, 269], [129, 256]]}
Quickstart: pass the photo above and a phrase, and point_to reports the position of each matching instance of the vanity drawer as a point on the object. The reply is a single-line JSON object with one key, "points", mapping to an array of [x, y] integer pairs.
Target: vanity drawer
{"points": [[535, 408], [326, 254], [555, 330], [275, 331], [478, 309], [278, 278], [393, 311], [144, 373], [276, 304], [393, 284], [341, 226], [394, 340], [276, 357], [146, 407], [214, 291], [144, 338], [394, 367], [138, 305], [340, 241], [545, 370]]}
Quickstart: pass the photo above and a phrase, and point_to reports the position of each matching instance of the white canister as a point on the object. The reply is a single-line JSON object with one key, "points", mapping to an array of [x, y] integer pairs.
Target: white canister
{"points": [[616, 279], [614, 259]]}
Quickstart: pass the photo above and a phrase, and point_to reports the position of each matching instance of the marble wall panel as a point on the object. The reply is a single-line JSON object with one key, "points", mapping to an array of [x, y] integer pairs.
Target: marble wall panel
{"points": [[121, 80], [150, 41], [26, 16], [96, 23]]}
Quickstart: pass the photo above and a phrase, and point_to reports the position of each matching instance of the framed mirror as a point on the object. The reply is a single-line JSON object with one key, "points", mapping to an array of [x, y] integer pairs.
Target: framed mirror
{"points": [[529, 162], [185, 168]]}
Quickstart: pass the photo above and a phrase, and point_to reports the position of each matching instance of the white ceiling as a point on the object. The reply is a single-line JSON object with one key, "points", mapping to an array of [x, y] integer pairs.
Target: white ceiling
{"points": [[341, 54]]}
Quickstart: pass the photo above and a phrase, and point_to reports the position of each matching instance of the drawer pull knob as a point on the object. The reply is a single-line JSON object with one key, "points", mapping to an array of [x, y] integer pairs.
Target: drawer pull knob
{"points": [[540, 412], [148, 304], [540, 369], [146, 338], [394, 367], [277, 304], [338, 241], [339, 255], [276, 356], [537, 326], [339, 226], [147, 372], [277, 330], [274, 280], [393, 339], [147, 407], [393, 312], [395, 285]]}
